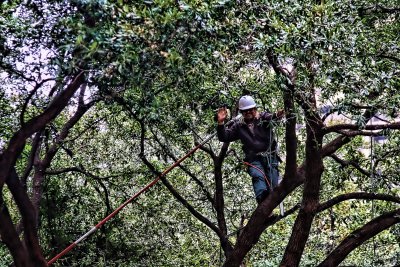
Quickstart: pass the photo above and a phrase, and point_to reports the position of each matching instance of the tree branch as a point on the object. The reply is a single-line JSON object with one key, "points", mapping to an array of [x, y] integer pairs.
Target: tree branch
{"points": [[368, 127], [17, 142], [290, 126], [35, 146], [190, 174], [358, 237], [313, 171], [345, 163], [91, 175], [30, 95], [190, 208], [42, 165], [356, 195], [379, 8]]}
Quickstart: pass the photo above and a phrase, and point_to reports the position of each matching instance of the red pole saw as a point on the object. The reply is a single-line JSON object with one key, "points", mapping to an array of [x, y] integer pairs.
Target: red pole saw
{"points": [[144, 189]]}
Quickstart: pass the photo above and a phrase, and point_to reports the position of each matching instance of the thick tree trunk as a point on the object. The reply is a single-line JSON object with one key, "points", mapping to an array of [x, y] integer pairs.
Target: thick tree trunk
{"points": [[10, 236], [259, 221], [31, 246], [313, 171], [300, 232], [28, 251]]}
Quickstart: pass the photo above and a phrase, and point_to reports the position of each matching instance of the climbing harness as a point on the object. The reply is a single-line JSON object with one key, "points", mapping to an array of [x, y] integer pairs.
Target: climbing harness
{"points": [[115, 212], [268, 156]]}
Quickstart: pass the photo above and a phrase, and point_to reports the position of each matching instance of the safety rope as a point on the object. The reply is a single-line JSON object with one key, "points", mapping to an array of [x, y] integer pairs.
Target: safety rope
{"points": [[258, 169], [276, 135], [271, 126], [144, 189]]}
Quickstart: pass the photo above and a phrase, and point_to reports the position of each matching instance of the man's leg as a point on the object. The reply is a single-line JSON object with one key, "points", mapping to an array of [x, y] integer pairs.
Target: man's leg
{"points": [[256, 171], [270, 164]]}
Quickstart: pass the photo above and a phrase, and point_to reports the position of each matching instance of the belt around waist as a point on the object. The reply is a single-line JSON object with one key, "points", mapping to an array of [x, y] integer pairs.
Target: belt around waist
{"points": [[266, 153]]}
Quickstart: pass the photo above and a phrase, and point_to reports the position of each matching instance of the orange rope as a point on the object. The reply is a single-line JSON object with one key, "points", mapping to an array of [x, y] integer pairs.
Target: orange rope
{"points": [[265, 177]]}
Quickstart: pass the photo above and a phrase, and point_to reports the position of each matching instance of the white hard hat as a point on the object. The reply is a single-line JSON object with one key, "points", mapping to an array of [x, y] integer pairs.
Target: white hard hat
{"points": [[246, 102]]}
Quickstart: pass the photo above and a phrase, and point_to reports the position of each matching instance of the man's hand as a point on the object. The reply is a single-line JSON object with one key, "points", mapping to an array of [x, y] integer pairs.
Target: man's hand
{"points": [[221, 115]]}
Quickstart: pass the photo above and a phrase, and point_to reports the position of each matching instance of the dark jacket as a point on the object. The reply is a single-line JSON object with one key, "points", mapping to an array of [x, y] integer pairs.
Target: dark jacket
{"points": [[262, 140]]}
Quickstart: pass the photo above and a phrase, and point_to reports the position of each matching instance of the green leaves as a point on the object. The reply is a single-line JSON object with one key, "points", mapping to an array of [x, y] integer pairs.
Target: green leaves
{"points": [[162, 68]]}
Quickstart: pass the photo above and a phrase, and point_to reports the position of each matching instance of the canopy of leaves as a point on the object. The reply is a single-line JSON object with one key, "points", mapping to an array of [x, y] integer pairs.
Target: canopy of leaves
{"points": [[144, 80]]}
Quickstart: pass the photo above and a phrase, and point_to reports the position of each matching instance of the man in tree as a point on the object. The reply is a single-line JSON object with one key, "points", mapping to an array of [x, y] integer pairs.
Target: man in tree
{"points": [[255, 130]]}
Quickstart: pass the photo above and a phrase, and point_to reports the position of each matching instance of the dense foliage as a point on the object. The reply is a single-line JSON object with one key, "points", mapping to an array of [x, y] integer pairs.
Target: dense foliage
{"points": [[99, 97]]}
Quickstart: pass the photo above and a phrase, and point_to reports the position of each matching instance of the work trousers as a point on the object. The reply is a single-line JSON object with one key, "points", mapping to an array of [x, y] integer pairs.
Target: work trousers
{"points": [[264, 167]]}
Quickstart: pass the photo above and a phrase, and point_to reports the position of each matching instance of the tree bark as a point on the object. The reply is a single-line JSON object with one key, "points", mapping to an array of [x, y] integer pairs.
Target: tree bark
{"points": [[31, 246], [313, 172], [259, 221], [219, 201], [10, 236]]}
